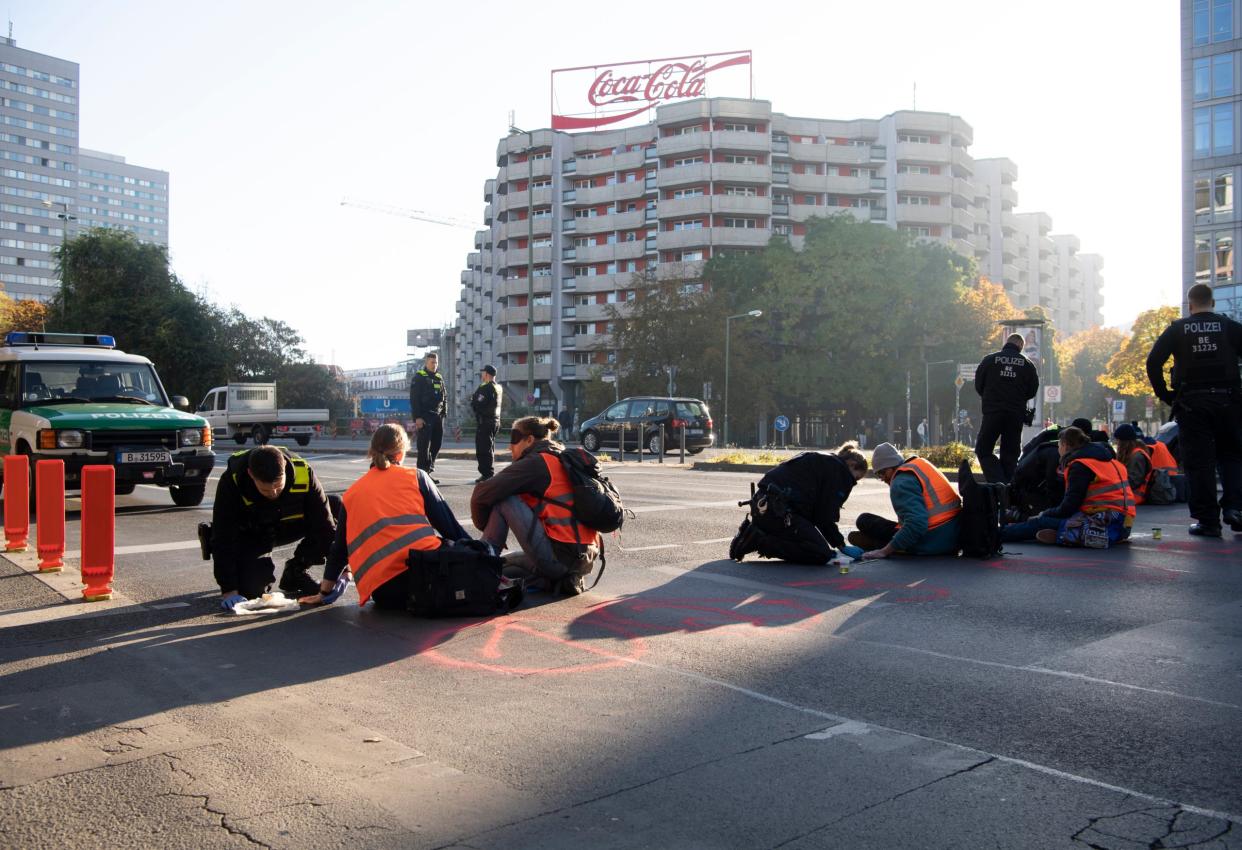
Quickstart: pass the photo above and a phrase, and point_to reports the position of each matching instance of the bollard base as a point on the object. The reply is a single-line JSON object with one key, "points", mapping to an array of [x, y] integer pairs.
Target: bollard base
{"points": [[16, 547], [51, 568], [98, 597]]}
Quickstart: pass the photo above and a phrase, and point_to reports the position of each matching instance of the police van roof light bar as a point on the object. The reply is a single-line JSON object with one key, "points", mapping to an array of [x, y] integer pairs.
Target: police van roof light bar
{"points": [[36, 339]]}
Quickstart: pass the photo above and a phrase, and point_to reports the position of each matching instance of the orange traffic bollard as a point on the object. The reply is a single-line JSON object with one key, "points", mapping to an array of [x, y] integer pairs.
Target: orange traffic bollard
{"points": [[98, 531], [50, 523], [16, 502]]}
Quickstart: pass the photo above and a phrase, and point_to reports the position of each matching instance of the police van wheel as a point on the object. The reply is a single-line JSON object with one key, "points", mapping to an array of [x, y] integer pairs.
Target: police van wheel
{"points": [[590, 442], [187, 497], [259, 433], [124, 488], [653, 444], [240, 439], [302, 441]]}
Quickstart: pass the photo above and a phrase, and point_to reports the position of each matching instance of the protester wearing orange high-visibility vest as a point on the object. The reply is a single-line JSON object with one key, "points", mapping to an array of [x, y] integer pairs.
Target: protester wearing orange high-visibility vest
{"points": [[925, 503], [387, 512], [1141, 461], [533, 498], [1098, 508]]}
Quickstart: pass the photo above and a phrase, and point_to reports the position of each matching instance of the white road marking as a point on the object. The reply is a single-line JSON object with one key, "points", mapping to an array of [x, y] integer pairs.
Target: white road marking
{"points": [[156, 547], [711, 542], [684, 506], [165, 605], [651, 548]]}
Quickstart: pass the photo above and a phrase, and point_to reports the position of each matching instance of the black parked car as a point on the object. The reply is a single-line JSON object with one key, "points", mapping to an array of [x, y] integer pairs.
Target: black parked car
{"points": [[643, 415]]}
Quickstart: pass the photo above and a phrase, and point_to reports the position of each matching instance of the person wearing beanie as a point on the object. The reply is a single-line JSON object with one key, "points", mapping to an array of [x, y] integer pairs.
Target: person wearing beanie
{"points": [[926, 505]]}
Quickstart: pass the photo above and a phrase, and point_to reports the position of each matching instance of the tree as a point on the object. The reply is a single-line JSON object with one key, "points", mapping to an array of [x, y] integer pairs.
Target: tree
{"points": [[1126, 372], [23, 314], [312, 385], [1084, 358]]}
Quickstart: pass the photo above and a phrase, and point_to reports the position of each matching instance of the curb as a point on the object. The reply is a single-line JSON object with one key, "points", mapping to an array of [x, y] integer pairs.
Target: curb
{"points": [[708, 466]]}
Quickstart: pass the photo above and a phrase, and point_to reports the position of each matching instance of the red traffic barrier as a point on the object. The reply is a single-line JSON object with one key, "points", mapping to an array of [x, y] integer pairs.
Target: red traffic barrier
{"points": [[98, 531], [50, 514], [16, 502]]}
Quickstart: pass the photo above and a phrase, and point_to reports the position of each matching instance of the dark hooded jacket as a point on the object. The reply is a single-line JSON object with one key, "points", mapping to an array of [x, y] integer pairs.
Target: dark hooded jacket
{"points": [[819, 484], [1080, 478]]}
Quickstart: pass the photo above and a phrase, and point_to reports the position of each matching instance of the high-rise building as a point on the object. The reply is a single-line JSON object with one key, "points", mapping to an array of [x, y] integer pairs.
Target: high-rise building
{"points": [[1211, 148], [577, 223], [38, 175], [116, 194]]}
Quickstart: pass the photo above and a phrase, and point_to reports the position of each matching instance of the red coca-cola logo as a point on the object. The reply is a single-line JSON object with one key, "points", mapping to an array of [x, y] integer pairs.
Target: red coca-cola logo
{"points": [[673, 79]]}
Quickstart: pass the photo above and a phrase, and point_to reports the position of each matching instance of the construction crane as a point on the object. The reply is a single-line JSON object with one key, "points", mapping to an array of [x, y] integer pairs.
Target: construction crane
{"points": [[418, 215]]}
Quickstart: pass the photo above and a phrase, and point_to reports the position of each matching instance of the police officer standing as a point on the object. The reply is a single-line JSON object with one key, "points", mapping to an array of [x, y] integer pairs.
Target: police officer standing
{"points": [[1005, 381], [266, 498], [427, 404], [1207, 403], [486, 407]]}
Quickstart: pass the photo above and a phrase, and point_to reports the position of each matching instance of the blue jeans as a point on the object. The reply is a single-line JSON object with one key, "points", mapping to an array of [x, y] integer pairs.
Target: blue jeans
{"points": [[1019, 531]]}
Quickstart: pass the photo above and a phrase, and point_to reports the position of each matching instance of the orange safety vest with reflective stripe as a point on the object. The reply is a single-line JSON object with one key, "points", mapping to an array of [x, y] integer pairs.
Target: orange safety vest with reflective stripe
{"points": [[941, 500], [1162, 458], [1109, 490], [384, 519], [555, 508], [1158, 457]]}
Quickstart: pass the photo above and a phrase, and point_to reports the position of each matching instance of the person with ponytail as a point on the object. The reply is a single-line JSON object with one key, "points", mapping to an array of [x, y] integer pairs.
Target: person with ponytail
{"points": [[388, 511], [533, 498]]}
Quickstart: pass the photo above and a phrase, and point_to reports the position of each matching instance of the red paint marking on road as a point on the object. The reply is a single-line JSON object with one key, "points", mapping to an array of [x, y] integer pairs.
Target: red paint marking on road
{"points": [[759, 613], [901, 592]]}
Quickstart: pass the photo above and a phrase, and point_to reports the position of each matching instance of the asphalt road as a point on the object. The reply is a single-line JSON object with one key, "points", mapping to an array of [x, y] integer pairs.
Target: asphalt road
{"points": [[1051, 698]]}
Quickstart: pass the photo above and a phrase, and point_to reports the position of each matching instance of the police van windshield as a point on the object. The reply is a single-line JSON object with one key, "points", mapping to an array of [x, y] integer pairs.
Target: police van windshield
{"points": [[53, 381]]}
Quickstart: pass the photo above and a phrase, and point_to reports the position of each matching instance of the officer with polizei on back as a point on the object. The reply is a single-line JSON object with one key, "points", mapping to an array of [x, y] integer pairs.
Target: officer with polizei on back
{"points": [[267, 497], [1005, 381], [486, 406], [1206, 399], [427, 404]]}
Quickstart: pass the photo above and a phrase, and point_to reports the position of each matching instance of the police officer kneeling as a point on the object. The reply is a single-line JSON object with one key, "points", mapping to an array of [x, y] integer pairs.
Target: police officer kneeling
{"points": [[1207, 403], [797, 505], [266, 498]]}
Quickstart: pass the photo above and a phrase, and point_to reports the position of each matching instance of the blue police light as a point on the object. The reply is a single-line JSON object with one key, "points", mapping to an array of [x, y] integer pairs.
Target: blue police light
{"points": [[106, 340], [42, 338], [16, 338]]}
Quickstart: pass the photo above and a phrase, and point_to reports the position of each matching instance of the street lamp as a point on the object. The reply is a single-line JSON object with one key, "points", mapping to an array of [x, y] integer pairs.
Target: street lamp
{"points": [[927, 390], [753, 314], [65, 217], [530, 262]]}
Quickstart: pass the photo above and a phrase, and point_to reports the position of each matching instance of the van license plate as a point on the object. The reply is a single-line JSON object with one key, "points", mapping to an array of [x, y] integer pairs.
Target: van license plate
{"points": [[143, 457]]}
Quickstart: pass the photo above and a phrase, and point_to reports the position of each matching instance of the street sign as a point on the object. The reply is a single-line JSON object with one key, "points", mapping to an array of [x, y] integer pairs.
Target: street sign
{"points": [[1119, 409], [781, 424], [966, 371], [959, 381], [1150, 410], [1052, 394], [707, 391], [608, 379]]}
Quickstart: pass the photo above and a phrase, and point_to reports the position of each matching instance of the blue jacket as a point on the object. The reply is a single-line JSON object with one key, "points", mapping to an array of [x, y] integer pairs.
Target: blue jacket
{"points": [[914, 538]]}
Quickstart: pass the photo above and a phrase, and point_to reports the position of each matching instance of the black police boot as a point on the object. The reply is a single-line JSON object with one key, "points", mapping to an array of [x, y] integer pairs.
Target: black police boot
{"points": [[295, 582], [862, 541], [745, 541], [1200, 529], [1233, 519]]}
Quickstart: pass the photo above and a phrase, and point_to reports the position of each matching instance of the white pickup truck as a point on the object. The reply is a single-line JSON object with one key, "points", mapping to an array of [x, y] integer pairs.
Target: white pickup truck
{"points": [[249, 410]]}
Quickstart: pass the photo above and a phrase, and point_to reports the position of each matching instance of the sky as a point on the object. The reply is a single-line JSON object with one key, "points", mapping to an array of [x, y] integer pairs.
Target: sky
{"points": [[268, 114]]}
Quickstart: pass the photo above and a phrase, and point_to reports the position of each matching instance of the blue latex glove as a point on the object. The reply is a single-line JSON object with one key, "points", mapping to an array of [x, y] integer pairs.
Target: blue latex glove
{"points": [[228, 602], [342, 582], [854, 552]]}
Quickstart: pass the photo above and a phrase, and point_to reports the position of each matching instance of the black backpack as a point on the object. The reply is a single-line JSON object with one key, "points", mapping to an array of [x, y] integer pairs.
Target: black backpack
{"points": [[460, 579], [597, 504], [983, 511]]}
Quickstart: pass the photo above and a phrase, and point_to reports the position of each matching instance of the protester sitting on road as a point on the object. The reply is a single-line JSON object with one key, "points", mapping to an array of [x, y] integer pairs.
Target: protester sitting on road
{"points": [[267, 497], [533, 498], [797, 505], [1037, 481], [925, 503], [1142, 461], [1098, 507], [387, 512]]}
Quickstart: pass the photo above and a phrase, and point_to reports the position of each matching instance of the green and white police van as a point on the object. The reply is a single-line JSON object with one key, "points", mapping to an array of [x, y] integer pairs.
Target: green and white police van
{"points": [[75, 398]]}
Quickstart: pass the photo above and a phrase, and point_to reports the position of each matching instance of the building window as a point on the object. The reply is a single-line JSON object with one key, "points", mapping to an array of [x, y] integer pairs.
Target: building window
{"points": [[1222, 20], [739, 159], [741, 191], [688, 193], [690, 256], [917, 139], [1203, 259], [744, 223], [1222, 75], [740, 128], [1222, 129], [691, 224], [1222, 199], [688, 160], [1203, 197], [918, 231], [1224, 258], [914, 200], [901, 169], [1200, 18], [543, 330], [1203, 131]]}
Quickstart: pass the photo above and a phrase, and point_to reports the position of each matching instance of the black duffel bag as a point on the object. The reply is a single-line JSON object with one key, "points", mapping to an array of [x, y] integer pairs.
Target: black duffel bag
{"points": [[460, 579]]}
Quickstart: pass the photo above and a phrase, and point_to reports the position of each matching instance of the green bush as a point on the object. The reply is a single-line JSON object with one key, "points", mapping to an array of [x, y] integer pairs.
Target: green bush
{"points": [[949, 456]]}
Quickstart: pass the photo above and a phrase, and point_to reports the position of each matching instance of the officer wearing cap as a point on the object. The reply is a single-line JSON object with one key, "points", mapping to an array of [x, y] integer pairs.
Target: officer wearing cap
{"points": [[1206, 398], [427, 404], [486, 406], [1005, 381]]}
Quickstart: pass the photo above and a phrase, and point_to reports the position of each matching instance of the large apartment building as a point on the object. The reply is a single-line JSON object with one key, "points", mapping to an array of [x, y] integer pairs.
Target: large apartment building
{"points": [[1211, 148], [576, 222], [49, 187]]}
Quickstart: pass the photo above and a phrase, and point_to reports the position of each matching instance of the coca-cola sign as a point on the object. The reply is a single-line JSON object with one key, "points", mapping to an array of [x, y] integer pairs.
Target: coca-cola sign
{"points": [[594, 96]]}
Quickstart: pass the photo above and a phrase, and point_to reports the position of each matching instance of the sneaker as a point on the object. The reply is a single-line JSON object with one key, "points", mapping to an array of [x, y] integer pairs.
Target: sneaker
{"points": [[481, 479], [1233, 519], [296, 583], [571, 585], [862, 541], [1047, 535], [1198, 529]]}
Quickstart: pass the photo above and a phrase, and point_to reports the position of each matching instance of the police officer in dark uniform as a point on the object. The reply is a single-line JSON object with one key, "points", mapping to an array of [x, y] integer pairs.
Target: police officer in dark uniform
{"points": [[1207, 403], [486, 406], [427, 404], [266, 498], [1005, 380]]}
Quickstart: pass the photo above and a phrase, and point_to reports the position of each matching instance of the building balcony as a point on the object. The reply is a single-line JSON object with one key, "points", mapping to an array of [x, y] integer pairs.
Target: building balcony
{"points": [[671, 240], [920, 152], [521, 256], [699, 141], [521, 315], [672, 208], [743, 204], [685, 175], [524, 170], [1009, 273], [729, 172], [1008, 196], [576, 371], [609, 194], [606, 223], [741, 237], [963, 222], [1009, 223], [601, 282], [688, 270], [741, 141], [924, 214], [489, 190], [608, 253], [628, 161], [517, 286], [929, 184], [963, 162]]}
